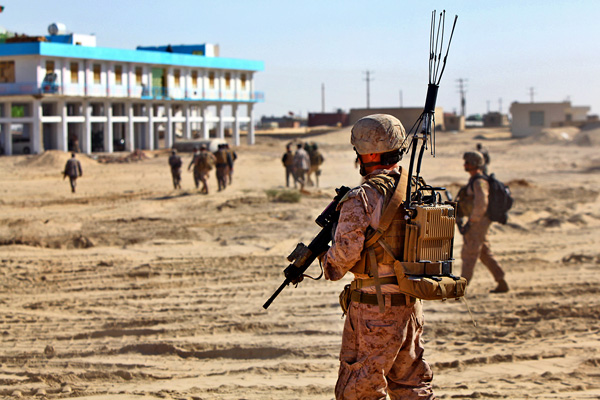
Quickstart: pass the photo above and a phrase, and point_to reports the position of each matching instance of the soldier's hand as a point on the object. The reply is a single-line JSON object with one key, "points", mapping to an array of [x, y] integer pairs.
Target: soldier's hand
{"points": [[464, 228]]}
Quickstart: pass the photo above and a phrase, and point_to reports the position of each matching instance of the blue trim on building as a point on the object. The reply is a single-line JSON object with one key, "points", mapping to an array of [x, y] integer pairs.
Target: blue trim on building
{"points": [[124, 55]]}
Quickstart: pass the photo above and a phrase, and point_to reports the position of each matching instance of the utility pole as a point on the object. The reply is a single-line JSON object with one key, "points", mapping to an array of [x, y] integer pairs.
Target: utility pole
{"points": [[531, 93], [322, 97], [462, 90], [488, 106], [500, 105], [401, 105], [368, 79]]}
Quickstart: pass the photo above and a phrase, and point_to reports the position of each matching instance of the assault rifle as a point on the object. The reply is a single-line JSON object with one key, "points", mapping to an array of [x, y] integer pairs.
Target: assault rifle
{"points": [[303, 256]]}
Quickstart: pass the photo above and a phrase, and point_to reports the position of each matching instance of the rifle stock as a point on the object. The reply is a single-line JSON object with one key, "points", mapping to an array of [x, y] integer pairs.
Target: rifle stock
{"points": [[303, 256]]}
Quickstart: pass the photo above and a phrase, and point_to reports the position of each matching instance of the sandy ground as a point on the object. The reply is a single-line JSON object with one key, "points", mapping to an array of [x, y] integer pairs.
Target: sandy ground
{"points": [[128, 289]]}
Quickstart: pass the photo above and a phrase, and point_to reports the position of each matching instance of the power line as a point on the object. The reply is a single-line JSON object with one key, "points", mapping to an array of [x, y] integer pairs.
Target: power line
{"points": [[462, 90], [531, 93], [322, 97], [368, 79]]}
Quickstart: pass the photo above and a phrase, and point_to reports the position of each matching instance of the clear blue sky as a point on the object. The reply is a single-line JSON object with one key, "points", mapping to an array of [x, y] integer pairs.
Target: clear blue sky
{"points": [[502, 48]]}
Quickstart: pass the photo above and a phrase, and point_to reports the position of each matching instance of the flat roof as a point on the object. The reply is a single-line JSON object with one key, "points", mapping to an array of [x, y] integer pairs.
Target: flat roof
{"points": [[124, 55]]}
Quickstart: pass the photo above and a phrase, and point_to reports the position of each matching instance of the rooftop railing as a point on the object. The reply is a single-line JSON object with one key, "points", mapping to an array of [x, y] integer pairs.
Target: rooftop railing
{"points": [[121, 91]]}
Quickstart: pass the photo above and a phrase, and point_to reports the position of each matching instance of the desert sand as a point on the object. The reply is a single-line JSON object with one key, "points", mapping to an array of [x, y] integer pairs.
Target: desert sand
{"points": [[129, 289]]}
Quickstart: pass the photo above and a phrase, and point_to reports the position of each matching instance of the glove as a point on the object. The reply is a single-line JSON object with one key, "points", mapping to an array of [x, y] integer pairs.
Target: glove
{"points": [[464, 228]]}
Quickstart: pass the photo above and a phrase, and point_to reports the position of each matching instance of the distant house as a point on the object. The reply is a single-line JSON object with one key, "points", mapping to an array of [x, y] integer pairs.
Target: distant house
{"points": [[495, 119], [338, 118], [281, 122], [530, 118], [454, 122]]}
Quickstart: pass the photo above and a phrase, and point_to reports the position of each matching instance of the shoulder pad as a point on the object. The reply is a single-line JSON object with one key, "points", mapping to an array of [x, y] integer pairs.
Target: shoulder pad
{"points": [[351, 193]]}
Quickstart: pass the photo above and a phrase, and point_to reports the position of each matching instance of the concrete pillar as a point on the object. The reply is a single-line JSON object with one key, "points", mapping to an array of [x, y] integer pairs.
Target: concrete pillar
{"points": [[205, 132], [62, 130], [187, 126], [129, 128], [250, 123], [169, 132], [150, 127], [86, 139], [236, 125], [6, 129], [108, 127], [36, 131], [7, 138], [221, 125]]}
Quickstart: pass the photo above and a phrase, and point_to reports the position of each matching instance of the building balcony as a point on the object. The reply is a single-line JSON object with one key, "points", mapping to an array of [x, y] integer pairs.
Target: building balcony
{"points": [[122, 91]]}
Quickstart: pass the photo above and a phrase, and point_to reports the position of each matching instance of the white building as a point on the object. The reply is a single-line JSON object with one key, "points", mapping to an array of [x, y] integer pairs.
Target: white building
{"points": [[530, 118], [67, 94]]}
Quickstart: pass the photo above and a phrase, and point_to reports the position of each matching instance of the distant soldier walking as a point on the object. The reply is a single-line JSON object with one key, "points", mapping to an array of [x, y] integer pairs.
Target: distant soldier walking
{"points": [[233, 157], [175, 164], [316, 160], [288, 162], [192, 165], [205, 161], [473, 204], [73, 171], [223, 161], [301, 165]]}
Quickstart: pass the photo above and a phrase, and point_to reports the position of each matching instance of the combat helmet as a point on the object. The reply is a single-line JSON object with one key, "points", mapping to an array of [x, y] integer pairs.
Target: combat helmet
{"points": [[474, 158], [378, 133]]}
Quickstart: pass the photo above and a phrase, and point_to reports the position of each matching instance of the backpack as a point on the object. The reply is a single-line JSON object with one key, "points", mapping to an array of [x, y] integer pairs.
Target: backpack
{"points": [[500, 199], [204, 162]]}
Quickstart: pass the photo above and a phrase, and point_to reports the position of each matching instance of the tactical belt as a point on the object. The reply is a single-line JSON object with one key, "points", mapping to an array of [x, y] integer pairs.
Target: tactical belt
{"points": [[396, 299], [361, 283]]}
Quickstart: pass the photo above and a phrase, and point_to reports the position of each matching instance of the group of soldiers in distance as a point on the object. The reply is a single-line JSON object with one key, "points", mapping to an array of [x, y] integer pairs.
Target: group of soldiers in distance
{"points": [[203, 161], [302, 164]]}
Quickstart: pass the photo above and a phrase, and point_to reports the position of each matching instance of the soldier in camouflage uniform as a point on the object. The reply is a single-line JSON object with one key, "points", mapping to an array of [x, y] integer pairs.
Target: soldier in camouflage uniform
{"points": [[473, 204], [382, 349]]}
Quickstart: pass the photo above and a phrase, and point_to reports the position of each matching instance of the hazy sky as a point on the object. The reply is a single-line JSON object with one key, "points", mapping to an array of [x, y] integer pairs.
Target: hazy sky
{"points": [[501, 48]]}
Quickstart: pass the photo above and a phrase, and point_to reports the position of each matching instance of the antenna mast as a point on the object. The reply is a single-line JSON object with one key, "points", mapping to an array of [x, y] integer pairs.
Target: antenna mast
{"points": [[426, 122]]}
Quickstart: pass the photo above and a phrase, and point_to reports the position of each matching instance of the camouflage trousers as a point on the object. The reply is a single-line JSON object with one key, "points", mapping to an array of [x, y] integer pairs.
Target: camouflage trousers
{"points": [[382, 354], [222, 173], [476, 246]]}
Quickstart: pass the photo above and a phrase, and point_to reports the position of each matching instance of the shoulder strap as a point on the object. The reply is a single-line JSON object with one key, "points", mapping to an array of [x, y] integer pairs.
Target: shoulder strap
{"points": [[474, 178], [389, 212]]}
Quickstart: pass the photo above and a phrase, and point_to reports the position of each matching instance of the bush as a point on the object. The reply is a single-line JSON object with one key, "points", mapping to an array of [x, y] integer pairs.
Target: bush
{"points": [[283, 196]]}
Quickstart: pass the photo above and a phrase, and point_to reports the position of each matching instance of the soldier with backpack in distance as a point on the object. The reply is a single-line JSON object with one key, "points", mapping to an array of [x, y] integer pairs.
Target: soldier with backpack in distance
{"points": [[473, 201], [205, 161]]}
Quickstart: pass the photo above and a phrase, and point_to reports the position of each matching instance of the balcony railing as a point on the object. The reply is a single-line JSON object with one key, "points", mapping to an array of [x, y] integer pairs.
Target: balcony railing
{"points": [[136, 92]]}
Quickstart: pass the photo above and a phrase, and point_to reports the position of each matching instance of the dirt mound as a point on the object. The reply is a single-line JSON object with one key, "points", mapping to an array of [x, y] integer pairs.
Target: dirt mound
{"points": [[559, 135], [588, 137], [136, 155], [54, 159]]}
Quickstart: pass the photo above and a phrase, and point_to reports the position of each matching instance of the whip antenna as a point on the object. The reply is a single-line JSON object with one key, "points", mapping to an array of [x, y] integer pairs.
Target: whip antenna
{"points": [[424, 126]]}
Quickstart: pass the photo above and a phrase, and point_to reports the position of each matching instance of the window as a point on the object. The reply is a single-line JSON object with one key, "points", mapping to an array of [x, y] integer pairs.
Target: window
{"points": [[194, 79], [118, 75], [49, 67], [138, 75], [97, 68], [177, 77], [74, 72], [536, 118], [211, 80], [227, 80], [243, 81], [7, 71]]}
